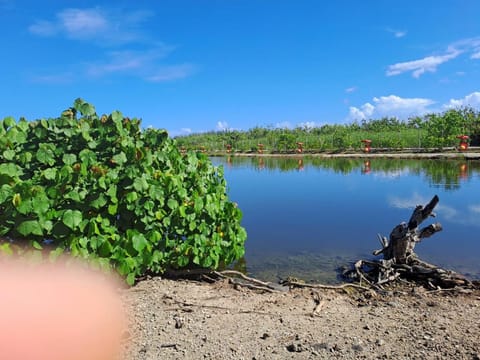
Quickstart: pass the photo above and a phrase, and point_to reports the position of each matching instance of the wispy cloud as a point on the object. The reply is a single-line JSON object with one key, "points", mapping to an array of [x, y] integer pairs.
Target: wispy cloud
{"points": [[419, 67], [171, 72], [391, 105], [475, 55], [96, 24], [397, 33], [351, 89], [431, 63], [118, 31]]}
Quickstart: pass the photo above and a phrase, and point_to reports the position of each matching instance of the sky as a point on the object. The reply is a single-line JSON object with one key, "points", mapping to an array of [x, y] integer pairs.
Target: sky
{"points": [[200, 65]]}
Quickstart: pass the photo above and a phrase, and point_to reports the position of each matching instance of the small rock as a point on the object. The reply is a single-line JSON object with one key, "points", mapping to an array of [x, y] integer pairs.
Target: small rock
{"points": [[380, 342], [178, 323], [295, 348], [357, 347], [264, 336]]}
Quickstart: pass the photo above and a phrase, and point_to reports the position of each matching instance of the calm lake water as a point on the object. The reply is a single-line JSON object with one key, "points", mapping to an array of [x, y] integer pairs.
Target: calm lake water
{"points": [[307, 217]]}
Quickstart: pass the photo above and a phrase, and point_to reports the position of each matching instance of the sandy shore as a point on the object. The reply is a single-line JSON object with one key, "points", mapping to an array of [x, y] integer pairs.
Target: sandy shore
{"points": [[191, 320]]}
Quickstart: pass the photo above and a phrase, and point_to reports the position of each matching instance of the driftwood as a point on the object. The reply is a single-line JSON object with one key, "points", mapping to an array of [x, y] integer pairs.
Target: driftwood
{"points": [[400, 263]]}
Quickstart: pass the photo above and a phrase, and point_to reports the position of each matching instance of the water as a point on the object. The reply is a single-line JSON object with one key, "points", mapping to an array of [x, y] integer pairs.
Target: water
{"points": [[306, 217]]}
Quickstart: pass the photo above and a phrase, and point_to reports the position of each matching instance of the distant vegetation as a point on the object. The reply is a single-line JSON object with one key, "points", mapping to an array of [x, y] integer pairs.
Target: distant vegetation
{"points": [[438, 130]]}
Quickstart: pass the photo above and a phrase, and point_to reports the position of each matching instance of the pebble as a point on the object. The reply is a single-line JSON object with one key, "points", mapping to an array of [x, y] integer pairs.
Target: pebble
{"points": [[357, 347], [295, 348]]}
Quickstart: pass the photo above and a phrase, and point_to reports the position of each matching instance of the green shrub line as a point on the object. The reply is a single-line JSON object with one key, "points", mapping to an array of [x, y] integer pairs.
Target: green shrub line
{"points": [[431, 131], [102, 188]]}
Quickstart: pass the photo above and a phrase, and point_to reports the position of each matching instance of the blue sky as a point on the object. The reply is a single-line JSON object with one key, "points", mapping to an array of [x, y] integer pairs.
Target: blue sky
{"points": [[199, 65]]}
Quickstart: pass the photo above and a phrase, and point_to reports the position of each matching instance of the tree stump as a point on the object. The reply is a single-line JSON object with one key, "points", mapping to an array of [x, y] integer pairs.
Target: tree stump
{"points": [[404, 237], [400, 261]]}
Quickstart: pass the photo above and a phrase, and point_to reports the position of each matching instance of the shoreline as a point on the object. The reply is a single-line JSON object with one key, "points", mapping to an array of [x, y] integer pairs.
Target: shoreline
{"points": [[469, 155]]}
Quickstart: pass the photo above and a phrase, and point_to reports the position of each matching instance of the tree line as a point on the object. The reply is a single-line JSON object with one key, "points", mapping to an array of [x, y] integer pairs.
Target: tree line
{"points": [[435, 130]]}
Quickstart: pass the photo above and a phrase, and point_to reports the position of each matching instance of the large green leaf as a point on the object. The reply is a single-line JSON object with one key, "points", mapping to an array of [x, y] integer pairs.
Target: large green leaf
{"points": [[30, 227], [69, 159], [172, 204], [72, 218], [119, 159], [40, 204], [45, 155], [139, 242], [9, 154], [50, 173]]}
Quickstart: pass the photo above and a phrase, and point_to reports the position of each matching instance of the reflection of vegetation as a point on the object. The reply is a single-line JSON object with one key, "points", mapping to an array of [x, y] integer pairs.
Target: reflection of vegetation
{"points": [[429, 131], [446, 174]]}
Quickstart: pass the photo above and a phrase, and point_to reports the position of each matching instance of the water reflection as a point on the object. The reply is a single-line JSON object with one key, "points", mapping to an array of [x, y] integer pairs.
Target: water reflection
{"points": [[311, 214], [446, 174]]}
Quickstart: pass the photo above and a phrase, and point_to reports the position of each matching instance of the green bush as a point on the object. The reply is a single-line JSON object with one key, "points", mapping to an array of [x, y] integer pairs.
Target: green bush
{"points": [[103, 188]]}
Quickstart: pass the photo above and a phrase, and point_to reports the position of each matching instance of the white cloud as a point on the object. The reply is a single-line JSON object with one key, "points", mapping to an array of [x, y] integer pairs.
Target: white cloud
{"points": [[419, 67], [351, 89], [431, 63], [396, 104], [114, 29], [470, 100], [222, 126], [362, 113], [402, 108], [468, 45], [391, 105], [83, 23]]}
